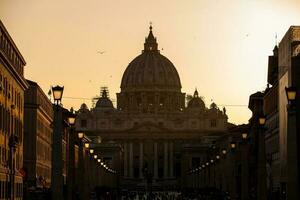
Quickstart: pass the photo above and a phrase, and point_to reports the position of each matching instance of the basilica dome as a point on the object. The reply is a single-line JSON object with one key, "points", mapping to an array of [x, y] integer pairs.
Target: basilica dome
{"points": [[150, 70], [196, 102]]}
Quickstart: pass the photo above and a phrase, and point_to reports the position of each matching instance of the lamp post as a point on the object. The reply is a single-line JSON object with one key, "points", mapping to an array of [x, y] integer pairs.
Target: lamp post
{"points": [[13, 142], [292, 145], [91, 151], [261, 168], [81, 169], [245, 136], [232, 170], [57, 165], [224, 152], [233, 146], [245, 169], [71, 164]]}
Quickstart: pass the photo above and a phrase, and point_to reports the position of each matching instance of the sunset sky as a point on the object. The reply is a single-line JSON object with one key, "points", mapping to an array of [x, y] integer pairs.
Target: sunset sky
{"points": [[220, 47]]}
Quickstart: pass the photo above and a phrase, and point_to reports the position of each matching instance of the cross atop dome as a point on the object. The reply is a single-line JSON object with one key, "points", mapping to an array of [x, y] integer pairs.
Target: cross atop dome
{"points": [[150, 42], [196, 95]]}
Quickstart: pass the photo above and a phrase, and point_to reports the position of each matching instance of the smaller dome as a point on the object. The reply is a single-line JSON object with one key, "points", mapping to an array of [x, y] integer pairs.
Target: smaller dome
{"points": [[213, 106], [104, 101], [83, 108], [196, 101]]}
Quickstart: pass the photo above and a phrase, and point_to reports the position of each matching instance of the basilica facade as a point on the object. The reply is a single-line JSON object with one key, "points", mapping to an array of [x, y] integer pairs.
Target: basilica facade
{"points": [[152, 135]]}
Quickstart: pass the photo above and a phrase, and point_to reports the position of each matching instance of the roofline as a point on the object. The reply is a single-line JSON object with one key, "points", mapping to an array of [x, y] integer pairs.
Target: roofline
{"points": [[12, 42]]}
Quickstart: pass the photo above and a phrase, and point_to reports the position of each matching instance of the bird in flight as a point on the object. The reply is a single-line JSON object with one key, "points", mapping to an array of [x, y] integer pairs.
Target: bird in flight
{"points": [[101, 52]]}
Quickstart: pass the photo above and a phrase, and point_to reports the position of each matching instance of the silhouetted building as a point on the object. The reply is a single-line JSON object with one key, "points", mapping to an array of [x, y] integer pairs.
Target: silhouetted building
{"points": [[288, 75], [272, 127], [38, 137], [160, 138], [12, 87]]}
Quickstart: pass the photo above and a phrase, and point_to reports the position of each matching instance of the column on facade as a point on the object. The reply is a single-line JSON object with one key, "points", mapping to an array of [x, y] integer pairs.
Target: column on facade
{"points": [[141, 160], [166, 160], [171, 160], [125, 160], [155, 161], [130, 160]]}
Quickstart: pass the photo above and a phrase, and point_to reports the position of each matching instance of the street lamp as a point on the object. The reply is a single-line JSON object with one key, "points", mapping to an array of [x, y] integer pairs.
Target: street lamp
{"points": [[244, 135], [261, 159], [80, 135], [12, 143], [87, 145], [224, 152], [292, 144], [57, 165], [91, 151], [217, 157], [291, 93], [262, 120], [95, 156], [57, 92], [71, 119], [233, 145], [71, 160], [99, 160]]}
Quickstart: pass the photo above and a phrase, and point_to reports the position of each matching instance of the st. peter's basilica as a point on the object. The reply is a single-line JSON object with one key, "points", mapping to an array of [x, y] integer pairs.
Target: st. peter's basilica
{"points": [[152, 135]]}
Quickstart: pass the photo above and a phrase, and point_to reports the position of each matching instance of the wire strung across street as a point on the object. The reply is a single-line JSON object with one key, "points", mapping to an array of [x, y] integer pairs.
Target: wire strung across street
{"points": [[222, 105]]}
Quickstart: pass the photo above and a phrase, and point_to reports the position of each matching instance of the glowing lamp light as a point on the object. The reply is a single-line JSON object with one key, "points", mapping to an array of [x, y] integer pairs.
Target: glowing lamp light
{"points": [[262, 121], [57, 92], [217, 157], [95, 156], [244, 135], [87, 145], [71, 119], [224, 151], [80, 135], [91, 151], [291, 93], [232, 145]]}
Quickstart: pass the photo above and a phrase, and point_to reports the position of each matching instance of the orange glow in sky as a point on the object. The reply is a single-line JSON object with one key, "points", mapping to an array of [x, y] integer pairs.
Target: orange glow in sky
{"points": [[220, 47]]}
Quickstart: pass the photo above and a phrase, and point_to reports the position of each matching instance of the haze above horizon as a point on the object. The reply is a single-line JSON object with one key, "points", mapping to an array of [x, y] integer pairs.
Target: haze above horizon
{"points": [[219, 47]]}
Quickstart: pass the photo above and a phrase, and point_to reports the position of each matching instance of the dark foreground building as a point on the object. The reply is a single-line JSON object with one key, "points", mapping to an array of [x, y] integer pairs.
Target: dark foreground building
{"points": [[38, 138], [12, 87]]}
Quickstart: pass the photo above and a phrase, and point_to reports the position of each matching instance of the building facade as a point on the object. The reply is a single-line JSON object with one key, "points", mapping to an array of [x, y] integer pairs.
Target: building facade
{"points": [[160, 137], [288, 75], [272, 124], [38, 140], [12, 87]]}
